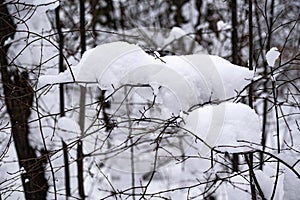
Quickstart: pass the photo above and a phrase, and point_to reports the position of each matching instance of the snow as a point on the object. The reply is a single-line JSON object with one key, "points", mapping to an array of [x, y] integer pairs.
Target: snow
{"points": [[193, 78], [43, 5], [9, 171], [290, 185], [238, 188], [96, 62], [272, 55], [215, 71], [266, 182], [29, 50], [68, 129], [64, 77], [231, 127], [175, 34], [177, 83], [32, 46], [223, 26], [290, 181]]}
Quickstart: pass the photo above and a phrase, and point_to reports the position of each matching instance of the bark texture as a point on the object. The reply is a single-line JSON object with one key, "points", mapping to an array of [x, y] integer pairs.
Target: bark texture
{"points": [[19, 98]]}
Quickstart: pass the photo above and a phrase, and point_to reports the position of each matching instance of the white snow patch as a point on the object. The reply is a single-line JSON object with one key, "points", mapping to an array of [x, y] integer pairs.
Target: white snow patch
{"points": [[222, 25], [265, 183], [175, 34], [272, 55], [63, 77], [201, 75], [228, 126], [43, 5], [237, 188], [68, 129]]}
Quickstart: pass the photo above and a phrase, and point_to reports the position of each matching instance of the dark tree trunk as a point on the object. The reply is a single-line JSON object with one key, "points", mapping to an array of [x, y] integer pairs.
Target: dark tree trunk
{"points": [[250, 24], [67, 169], [19, 98], [61, 67], [235, 60], [80, 155], [234, 34]]}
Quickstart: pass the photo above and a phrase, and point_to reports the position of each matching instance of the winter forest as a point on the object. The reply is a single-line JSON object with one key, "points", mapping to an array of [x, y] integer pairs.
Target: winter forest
{"points": [[140, 100]]}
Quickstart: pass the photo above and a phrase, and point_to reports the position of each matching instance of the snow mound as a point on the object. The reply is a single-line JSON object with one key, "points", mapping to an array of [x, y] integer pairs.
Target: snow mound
{"points": [[193, 78], [227, 127], [177, 83]]}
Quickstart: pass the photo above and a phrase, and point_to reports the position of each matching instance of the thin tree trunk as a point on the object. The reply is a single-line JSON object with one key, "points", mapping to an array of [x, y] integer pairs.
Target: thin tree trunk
{"points": [[250, 24], [235, 162], [67, 170], [234, 35], [251, 175], [19, 98], [265, 102], [80, 155], [250, 51], [256, 191], [61, 60], [234, 41], [250, 162], [62, 98], [80, 170], [265, 88]]}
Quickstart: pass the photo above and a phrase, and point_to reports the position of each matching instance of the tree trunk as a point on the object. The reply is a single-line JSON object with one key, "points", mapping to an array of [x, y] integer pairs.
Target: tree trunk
{"points": [[234, 34], [235, 60], [61, 67], [19, 98], [80, 155]]}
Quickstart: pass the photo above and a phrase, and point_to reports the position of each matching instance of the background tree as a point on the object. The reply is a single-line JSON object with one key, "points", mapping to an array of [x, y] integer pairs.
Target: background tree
{"points": [[19, 96]]}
